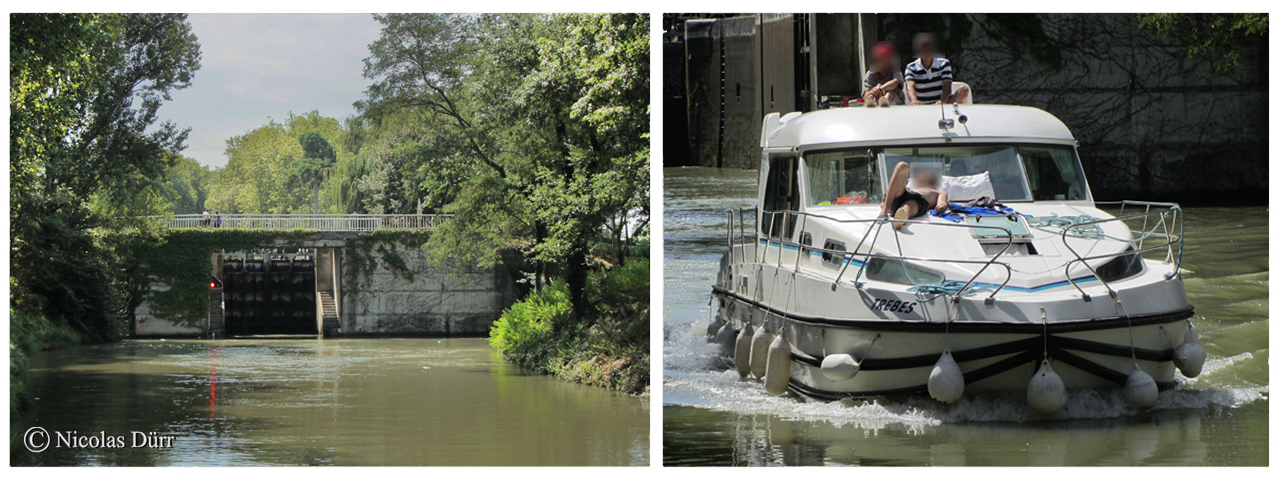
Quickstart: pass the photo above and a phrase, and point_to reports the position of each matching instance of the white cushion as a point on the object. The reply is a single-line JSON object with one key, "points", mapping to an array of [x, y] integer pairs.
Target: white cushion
{"points": [[968, 188]]}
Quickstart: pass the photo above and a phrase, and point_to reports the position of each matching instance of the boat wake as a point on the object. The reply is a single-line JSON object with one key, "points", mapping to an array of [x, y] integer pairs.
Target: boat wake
{"points": [[696, 375]]}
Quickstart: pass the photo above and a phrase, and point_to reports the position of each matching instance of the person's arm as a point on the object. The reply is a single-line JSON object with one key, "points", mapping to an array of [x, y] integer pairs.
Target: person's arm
{"points": [[890, 85], [911, 92], [942, 201], [946, 83]]}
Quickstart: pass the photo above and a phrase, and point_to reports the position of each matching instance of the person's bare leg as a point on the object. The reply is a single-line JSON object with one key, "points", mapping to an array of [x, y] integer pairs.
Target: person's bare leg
{"points": [[962, 95], [908, 210], [897, 186]]}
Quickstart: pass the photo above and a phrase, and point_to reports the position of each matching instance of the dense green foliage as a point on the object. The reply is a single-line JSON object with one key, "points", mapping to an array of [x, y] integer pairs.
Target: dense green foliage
{"points": [[87, 152], [87, 155], [268, 170], [612, 352], [1210, 32]]}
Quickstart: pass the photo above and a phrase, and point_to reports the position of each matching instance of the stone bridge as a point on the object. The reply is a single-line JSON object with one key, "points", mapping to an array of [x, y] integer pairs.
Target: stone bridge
{"points": [[337, 275]]}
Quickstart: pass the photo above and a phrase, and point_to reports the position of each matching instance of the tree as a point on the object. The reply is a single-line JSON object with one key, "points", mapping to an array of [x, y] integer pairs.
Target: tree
{"points": [[553, 112], [187, 186], [317, 158], [257, 178], [84, 92]]}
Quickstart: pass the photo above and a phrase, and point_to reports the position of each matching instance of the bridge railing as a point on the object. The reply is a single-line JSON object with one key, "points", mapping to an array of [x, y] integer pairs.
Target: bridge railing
{"points": [[316, 222]]}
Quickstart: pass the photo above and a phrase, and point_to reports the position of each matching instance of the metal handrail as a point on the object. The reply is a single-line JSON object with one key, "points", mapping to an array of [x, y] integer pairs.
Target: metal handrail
{"points": [[314, 222], [847, 255], [1171, 209]]}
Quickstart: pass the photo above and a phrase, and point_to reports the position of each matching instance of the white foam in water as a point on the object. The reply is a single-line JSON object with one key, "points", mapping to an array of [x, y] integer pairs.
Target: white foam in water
{"points": [[697, 376]]}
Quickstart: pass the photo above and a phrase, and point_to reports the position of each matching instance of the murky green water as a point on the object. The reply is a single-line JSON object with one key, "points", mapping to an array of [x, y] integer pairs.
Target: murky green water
{"points": [[328, 402], [712, 418]]}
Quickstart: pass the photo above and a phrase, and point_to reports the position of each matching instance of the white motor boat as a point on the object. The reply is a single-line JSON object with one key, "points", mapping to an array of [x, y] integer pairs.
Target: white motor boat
{"points": [[821, 296]]}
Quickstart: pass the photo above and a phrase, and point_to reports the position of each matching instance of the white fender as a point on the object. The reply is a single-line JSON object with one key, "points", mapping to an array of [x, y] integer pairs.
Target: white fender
{"points": [[839, 367], [713, 328], [946, 381], [778, 371], [725, 338], [1140, 389], [742, 351], [760, 351], [1189, 356], [1046, 394]]}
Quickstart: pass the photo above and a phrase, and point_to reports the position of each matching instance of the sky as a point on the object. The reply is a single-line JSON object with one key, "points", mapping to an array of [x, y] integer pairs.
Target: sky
{"points": [[259, 67]]}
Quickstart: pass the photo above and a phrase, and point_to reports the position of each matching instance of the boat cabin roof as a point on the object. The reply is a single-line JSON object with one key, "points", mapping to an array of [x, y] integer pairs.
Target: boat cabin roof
{"points": [[916, 123]]}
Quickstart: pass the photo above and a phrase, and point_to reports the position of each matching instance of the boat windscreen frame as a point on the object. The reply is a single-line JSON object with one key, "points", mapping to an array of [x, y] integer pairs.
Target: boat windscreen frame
{"points": [[885, 171]]}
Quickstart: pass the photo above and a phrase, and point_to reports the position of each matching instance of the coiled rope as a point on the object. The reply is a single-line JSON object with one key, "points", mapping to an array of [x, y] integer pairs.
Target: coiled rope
{"points": [[926, 292]]}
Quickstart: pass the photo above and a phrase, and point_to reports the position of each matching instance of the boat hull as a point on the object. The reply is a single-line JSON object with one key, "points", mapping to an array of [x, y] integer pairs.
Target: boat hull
{"points": [[897, 357]]}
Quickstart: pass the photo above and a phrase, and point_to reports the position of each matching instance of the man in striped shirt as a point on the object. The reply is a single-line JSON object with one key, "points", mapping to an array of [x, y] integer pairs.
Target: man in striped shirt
{"points": [[929, 78]]}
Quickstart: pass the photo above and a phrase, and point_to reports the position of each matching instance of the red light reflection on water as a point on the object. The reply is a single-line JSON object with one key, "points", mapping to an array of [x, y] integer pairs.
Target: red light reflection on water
{"points": [[213, 382]]}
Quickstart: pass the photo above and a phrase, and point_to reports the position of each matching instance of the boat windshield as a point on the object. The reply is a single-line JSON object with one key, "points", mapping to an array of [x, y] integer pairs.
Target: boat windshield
{"points": [[1019, 172]]}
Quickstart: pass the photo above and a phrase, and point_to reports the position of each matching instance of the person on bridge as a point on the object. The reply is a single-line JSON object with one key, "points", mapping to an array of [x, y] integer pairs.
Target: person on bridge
{"points": [[204, 219], [217, 219], [882, 85], [929, 77]]}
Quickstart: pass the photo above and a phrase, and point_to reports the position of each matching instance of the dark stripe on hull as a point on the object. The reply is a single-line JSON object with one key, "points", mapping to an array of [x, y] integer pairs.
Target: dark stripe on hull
{"points": [[1056, 344], [973, 326]]}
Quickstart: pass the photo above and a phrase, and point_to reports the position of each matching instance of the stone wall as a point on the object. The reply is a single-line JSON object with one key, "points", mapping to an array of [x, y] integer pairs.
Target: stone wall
{"points": [[434, 301], [1152, 121]]}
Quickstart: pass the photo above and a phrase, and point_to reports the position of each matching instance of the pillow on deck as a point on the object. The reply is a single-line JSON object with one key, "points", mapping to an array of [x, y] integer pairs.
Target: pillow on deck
{"points": [[968, 188]]}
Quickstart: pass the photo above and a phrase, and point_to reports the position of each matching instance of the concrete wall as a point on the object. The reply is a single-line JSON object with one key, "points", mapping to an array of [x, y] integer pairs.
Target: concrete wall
{"points": [[380, 301], [1152, 121], [437, 302]]}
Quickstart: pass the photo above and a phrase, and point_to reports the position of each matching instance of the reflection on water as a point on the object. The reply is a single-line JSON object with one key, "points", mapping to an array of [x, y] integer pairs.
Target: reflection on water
{"points": [[710, 417], [1189, 437], [328, 402]]}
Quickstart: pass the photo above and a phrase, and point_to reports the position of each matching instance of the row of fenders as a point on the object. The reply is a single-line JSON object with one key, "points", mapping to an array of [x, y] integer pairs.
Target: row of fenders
{"points": [[270, 294]]}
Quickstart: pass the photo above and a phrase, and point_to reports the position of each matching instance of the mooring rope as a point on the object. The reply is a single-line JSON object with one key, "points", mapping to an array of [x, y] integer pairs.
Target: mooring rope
{"points": [[945, 288]]}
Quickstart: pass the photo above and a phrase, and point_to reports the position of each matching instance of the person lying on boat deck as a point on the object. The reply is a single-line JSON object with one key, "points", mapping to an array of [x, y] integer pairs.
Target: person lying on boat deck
{"points": [[882, 84], [929, 77], [906, 203]]}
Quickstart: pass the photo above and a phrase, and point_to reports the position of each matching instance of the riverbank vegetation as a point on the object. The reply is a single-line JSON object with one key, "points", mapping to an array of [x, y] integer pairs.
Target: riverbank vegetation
{"points": [[609, 350], [533, 130]]}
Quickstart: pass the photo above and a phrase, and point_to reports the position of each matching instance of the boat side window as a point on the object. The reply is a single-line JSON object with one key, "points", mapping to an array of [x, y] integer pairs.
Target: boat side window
{"points": [[781, 193], [843, 177], [901, 272], [833, 260], [1053, 173]]}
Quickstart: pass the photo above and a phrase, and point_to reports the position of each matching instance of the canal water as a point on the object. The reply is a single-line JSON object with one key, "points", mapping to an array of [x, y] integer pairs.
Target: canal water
{"points": [[303, 401], [712, 418]]}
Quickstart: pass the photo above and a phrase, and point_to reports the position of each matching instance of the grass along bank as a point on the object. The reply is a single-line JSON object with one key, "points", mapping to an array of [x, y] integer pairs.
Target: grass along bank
{"points": [[610, 349]]}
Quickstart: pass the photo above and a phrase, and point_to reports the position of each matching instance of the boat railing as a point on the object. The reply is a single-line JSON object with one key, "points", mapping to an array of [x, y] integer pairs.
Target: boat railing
{"points": [[314, 222], [875, 224], [1167, 223]]}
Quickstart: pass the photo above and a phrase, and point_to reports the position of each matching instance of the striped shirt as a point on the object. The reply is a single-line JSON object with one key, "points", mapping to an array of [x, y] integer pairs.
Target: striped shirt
{"points": [[929, 81]]}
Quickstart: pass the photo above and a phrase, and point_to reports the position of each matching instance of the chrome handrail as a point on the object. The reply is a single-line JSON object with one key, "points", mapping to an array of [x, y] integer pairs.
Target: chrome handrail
{"points": [[879, 222], [1172, 209]]}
